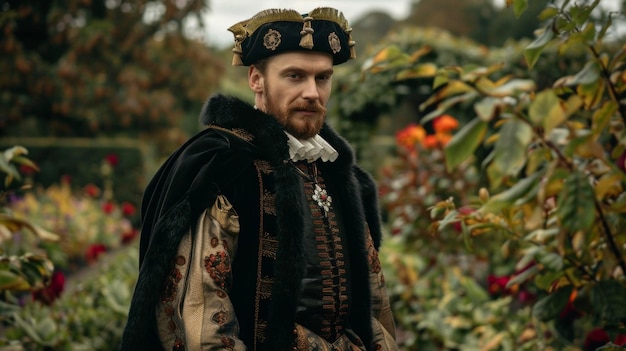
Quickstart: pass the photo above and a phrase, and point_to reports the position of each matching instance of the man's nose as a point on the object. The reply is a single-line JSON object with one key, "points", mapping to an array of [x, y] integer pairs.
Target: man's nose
{"points": [[310, 91]]}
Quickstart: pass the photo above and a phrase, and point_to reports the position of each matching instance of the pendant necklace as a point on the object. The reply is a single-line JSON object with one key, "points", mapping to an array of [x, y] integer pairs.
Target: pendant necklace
{"points": [[319, 194]]}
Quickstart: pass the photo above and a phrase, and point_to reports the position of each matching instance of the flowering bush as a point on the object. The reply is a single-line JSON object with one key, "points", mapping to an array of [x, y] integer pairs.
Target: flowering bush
{"points": [[21, 269], [444, 297], [48, 296], [87, 224], [89, 315], [555, 191]]}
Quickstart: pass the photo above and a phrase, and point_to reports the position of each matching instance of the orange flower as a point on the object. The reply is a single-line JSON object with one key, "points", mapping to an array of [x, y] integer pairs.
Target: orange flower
{"points": [[445, 123], [410, 135], [438, 140], [430, 141], [444, 139]]}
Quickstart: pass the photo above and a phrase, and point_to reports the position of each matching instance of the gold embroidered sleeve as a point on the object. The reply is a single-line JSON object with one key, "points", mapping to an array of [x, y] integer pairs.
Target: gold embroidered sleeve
{"points": [[383, 324], [202, 315]]}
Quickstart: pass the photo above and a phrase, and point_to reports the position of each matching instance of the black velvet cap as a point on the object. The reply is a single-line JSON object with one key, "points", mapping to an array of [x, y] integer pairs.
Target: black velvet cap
{"points": [[275, 31]]}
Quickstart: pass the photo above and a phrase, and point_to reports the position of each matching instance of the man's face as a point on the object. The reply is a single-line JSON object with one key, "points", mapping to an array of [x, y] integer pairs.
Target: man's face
{"points": [[294, 88]]}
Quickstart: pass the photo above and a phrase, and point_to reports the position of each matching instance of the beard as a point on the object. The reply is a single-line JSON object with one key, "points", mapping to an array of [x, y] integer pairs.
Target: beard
{"points": [[286, 116]]}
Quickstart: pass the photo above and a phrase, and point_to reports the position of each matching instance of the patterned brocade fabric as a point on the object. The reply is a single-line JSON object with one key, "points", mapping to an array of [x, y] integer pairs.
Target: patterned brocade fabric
{"points": [[324, 304], [195, 312]]}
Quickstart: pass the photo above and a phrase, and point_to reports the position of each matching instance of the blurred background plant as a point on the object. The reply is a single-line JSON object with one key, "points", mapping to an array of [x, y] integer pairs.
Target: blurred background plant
{"points": [[517, 222], [553, 200], [45, 299]]}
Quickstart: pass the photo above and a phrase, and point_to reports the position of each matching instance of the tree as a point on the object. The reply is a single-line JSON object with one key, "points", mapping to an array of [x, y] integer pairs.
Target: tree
{"points": [[478, 20], [93, 67]]}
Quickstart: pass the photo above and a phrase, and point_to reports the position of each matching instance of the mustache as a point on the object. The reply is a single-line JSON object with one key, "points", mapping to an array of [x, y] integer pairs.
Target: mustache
{"points": [[311, 106]]}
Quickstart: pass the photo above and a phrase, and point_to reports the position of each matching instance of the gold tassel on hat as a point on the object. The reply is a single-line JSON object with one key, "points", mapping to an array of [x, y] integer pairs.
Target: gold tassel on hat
{"points": [[307, 33], [351, 43], [237, 51], [239, 32]]}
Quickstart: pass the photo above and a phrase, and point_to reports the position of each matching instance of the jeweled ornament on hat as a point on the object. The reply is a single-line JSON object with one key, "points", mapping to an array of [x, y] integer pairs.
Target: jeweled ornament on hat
{"points": [[333, 41], [271, 40]]}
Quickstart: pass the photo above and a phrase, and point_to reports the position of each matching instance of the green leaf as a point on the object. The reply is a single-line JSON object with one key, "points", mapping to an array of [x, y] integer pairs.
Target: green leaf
{"points": [[545, 279], [589, 33], [548, 13], [605, 27], [534, 49], [464, 142], [609, 298], [508, 197], [117, 295], [550, 306], [546, 110], [552, 261], [14, 151], [474, 291], [21, 160], [523, 276], [519, 7], [449, 218], [11, 281], [487, 108], [575, 204], [510, 151], [588, 75], [602, 117], [446, 104], [514, 86], [47, 329], [425, 70]]}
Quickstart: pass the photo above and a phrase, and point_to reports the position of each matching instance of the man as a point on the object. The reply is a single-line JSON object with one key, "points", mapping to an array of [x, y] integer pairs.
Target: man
{"points": [[260, 232]]}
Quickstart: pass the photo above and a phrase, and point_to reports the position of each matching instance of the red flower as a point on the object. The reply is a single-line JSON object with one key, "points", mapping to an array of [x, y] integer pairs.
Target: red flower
{"points": [[28, 170], [596, 338], [445, 124], [94, 251], [497, 285], [128, 209], [526, 297], [92, 190], [129, 235], [112, 159], [108, 207], [52, 291], [620, 340]]}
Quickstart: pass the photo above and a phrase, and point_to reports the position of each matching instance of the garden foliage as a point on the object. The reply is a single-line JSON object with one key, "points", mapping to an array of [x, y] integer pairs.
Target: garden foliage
{"points": [[52, 293], [543, 222]]}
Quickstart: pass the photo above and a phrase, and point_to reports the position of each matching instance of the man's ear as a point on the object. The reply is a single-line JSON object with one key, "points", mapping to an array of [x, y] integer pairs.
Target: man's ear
{"points": [[255, 79]]}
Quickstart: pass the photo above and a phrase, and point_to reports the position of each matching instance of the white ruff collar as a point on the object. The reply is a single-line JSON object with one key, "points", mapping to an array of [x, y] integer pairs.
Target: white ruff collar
{"points": [[310, 149]]}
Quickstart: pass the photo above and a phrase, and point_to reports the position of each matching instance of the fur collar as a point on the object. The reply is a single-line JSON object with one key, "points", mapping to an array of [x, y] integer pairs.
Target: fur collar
{"points": [[268, 135]]}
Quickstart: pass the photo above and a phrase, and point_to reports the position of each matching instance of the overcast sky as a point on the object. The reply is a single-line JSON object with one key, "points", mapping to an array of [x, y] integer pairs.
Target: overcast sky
{"points": [[225, 13]]}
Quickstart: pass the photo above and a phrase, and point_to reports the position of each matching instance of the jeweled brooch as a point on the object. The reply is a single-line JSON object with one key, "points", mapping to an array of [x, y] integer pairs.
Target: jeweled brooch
{"points": [[323, 199]]}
